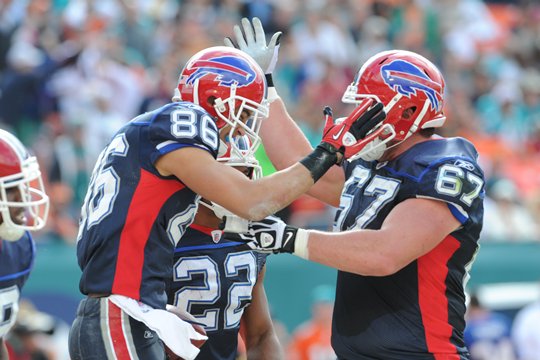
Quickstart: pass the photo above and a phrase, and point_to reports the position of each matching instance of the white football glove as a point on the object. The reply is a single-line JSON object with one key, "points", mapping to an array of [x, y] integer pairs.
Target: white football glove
{"points": [[272, 235], [253, 42]]}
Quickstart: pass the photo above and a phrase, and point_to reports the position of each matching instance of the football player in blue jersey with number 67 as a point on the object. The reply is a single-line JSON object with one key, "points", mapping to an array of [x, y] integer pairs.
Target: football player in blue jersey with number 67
{"points": [[410, 212], [24, 207], [145, 190]]}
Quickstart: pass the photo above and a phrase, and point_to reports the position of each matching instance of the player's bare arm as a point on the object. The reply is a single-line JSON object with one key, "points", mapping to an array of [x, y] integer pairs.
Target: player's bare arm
{"points": [[412, 229], [229, 188], [255, 200], [285, 144], [257, 329], [283, 140]]}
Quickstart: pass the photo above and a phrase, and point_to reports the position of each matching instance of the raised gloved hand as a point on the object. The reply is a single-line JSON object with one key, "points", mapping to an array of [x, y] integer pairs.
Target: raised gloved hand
{"points": [[346, 132], [253, 42], [271, 235], [340, 138]]}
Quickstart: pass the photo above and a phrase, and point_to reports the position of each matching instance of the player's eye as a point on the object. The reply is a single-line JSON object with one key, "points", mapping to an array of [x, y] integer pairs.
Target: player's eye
{"points": [[246, 115]]}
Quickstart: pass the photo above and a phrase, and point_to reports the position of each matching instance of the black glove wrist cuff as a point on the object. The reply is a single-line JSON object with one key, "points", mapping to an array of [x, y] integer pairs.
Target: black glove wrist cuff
{"points": [[289, 234], [269, 80], [320, 160]]}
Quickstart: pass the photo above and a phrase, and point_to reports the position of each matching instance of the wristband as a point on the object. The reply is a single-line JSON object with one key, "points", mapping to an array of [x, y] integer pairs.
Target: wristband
{"points": [[301, 244], [320, 160], [269, 80], [272, 92]]}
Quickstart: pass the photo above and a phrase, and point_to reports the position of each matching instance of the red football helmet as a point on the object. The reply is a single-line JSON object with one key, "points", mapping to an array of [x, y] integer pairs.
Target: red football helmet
{"points": [[23, 202], [411, 89], [228, 84]]}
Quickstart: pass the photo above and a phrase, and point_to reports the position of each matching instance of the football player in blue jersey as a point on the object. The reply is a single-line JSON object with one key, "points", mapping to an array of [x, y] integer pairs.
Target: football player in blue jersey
{"points": [[144, 193], [24, 206], [220, 284], [410, 213]]}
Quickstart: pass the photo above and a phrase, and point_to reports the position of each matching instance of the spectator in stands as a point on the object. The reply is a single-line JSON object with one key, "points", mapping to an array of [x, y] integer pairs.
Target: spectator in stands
{"points": [[487, 333], [506, 218], [526, 332], [311, 341], [108, 34]]}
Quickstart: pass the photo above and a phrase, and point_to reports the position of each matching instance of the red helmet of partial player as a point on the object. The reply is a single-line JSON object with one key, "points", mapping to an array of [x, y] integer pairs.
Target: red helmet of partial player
{"points": [[24, 204]]}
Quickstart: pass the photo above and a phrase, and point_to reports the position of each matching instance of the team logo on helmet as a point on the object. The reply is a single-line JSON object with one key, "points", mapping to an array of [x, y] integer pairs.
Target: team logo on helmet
{"points": [[228, 70], [407, 79]]}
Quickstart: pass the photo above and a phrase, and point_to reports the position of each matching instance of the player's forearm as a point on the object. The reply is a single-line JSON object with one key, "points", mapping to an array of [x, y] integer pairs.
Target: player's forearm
{"points": [[283, 140], [361, 252], [286, 144], [412, 229], [270, 194], [265, 347]]}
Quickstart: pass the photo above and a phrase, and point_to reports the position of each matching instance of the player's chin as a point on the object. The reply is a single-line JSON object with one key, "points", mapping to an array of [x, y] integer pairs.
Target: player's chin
{"points": [[198, 343]]}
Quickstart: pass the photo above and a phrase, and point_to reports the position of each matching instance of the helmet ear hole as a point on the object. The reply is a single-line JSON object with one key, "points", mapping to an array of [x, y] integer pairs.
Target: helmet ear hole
{"points": [[211, 100], [408, 113]]}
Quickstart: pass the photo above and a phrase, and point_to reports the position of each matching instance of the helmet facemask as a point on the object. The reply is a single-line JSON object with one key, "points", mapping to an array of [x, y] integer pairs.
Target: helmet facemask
{"points": [[32, 200], [241, 116]]}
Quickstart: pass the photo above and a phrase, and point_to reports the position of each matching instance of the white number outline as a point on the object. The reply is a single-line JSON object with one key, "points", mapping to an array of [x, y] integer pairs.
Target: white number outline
{"points": [[179, 223], [382, 188], [9, 298], [358, 178], [239, 291], [476, 180], [102, 179], [107, 184], [209, 132], [449, 182], [184, 125], [212, 287]]}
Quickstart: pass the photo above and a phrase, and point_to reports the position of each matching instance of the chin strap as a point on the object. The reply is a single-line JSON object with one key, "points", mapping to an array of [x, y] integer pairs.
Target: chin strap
{"points": [[10, 233], [272, 94], [234, 223], [372, 147]]}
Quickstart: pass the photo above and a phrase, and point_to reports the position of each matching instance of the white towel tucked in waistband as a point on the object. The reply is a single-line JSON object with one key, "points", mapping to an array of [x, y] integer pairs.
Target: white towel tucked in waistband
{"points": [[172, 330]]}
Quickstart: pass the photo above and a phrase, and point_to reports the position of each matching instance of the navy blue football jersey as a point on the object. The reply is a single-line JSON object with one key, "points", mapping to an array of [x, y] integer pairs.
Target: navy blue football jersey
{"points": [[418, 311], [212, 280], [132, 216], [16, 261]]}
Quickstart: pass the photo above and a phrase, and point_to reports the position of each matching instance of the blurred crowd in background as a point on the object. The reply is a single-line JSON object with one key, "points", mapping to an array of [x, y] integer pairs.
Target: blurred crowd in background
{"points": [[72, 72]]}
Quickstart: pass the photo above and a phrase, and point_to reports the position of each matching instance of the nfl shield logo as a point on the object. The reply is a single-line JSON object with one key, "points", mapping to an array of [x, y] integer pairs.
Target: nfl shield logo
{"points": [[216, 235]]}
